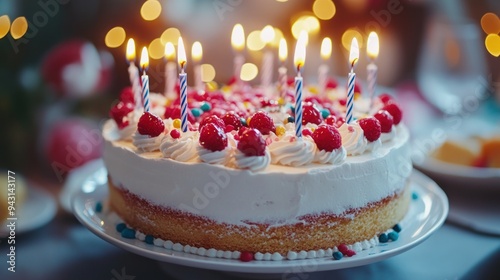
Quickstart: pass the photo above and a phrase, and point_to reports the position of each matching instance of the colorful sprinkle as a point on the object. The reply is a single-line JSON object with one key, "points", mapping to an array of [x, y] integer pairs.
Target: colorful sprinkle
{"points": [[337, 255], [205, 106], [325, 113], [393, 235], [128, 233], [342, 248], [350, 253], [414, 195], [396, 228], [196, 112], [120, 227], [280, 130], [174, 133], [149, 239], [177, 123], [383, 238], [291, 119], [98, 207], [243, 122], [246, 256]]}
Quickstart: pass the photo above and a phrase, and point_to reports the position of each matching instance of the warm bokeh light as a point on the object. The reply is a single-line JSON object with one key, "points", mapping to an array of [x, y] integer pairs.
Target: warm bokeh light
{"points": [[372, 46], [248, 72], [490, 23], [156, 49], [492, 43], [196, 52], [150, 10], [308, 23], [171, 35], [347, 38], [254, 43], [299, 58], [144, 62], [324, 9], [181, 53], [283, 50], [326, 48], [207, 73], [115, 37], [130, 50], [19, 27], [278, 35], [169, 51], [238, 37], [267, 34], [4, 25], [354, 52]]}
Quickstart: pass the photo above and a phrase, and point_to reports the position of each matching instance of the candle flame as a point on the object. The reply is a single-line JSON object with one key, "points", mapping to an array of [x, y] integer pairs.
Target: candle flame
{"points": [[283, 50], [267, 34], [300, 51], [326, 48], [130, 50], [238, 37], [196, 51], [372, 45], [354, 53], [181, 53], [169, 51], [144, 59]]}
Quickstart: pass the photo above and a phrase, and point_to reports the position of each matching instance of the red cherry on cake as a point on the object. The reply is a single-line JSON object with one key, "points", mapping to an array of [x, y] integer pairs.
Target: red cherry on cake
{"points": [[246, 256], [395, 112], [385, 98], [371, 128], [252, 143], [174, 133], [120, 111], [310, 115], [386, 120], [127, 95], [231, 118], [327, 138], [213, 138], [263, 122], [212, 119], [150, 124]]}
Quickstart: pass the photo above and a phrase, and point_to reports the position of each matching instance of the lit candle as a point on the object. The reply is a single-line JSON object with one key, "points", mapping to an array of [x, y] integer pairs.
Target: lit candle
{"points": [[181, 59], [267, 36], [145, 79], [326, 52], [133, 73], [299, 60], [238, 44], [282, 71], [170, 71], [372, 51], [196, 55], [351, 79]]}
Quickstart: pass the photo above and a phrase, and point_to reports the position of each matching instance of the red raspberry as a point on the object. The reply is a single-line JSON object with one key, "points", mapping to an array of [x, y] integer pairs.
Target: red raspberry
{"points": [[371, 128], [120, 111], [231, 118], [263, 122], [310, 115], [174, 112], [331, 120], [385, 98], [228, 128], [386, 120], [395, 111], [150, 124], [246, 256], [212, 119], [343, 248], [252, 143], [213, 138], [127, 95], [174, 133], [327, 138]]}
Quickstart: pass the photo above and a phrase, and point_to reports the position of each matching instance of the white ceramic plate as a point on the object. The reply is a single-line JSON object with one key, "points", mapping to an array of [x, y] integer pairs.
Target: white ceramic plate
{"points": [[38, 209], [427, 213]]}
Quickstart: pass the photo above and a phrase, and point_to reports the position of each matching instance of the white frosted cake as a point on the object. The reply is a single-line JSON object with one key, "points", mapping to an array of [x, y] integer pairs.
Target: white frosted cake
{"points": [[241, 181]]}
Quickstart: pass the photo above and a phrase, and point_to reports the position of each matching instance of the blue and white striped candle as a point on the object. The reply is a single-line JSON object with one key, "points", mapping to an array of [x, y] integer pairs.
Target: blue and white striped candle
{"points": [[299, 60], [145, 79], [372, 50], [351, 81], [181, 59]]}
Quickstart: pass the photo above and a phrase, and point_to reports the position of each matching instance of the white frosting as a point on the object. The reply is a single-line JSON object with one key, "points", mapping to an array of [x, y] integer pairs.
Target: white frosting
{"points": [[253, 163], [182, 149], [336, 156], [146, 143], [281, 194], [292, 151], [388, 136], [353, 139], [217, 157]]}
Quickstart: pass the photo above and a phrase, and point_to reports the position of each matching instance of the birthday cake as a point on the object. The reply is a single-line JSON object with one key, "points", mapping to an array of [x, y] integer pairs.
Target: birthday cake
{"points": [[240, 182]]}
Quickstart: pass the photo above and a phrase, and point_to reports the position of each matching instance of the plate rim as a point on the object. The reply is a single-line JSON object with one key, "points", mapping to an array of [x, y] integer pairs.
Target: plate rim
{"points": [[268, 267]]}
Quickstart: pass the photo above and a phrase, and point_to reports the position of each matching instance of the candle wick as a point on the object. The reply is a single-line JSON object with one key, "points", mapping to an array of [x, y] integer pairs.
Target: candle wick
{"points": [[353, 62]]}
